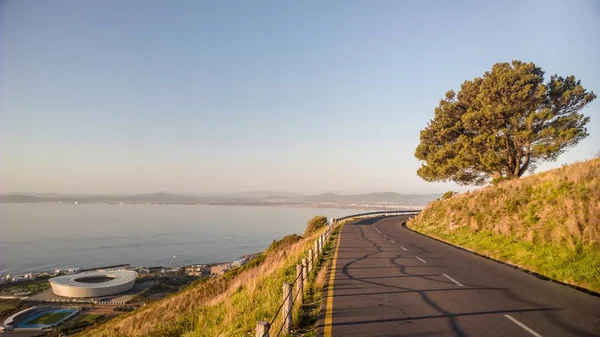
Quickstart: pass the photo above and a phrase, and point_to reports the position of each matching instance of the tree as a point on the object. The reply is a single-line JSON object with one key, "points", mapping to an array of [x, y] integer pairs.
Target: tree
{"points": [[502, 124]]}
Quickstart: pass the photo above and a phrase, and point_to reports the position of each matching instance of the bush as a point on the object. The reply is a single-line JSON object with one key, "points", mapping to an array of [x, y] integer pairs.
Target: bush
{"points": [[315, 223], [285, 242], [448, 195]]}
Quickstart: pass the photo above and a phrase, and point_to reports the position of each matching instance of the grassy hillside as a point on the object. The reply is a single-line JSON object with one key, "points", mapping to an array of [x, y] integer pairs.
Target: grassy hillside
{"points": [[225, 306], [548, 223]]}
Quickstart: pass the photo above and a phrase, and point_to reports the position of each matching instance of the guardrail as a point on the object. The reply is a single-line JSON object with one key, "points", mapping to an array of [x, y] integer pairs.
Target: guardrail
{"points": [[303, 270], [380, 213]]}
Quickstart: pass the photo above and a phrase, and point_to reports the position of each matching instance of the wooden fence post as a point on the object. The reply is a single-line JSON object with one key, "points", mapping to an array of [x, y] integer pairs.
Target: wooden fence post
{"points": [[319, 244], [316, 249], [300, 284], [310, 260], [286, 311], [262, 329], [305, 272]]}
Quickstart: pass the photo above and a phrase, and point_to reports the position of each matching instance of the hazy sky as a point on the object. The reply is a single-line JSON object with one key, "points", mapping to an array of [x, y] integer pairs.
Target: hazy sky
{"points": [[308, 96]]}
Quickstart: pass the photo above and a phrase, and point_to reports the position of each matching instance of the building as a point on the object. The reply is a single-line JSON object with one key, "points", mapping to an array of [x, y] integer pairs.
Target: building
{"points": [[171, 270], [31, 276], [197, 270], [20, 320], [220, 269], [240, 262], [94, 284], [141, 270]]}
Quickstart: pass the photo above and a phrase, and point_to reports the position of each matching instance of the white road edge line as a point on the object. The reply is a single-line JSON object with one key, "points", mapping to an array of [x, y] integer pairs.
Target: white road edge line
{"points": [[376, 229], [406, 250], [525, 327], [420, 259], [385, 236], [393, 241], [453, 280]]}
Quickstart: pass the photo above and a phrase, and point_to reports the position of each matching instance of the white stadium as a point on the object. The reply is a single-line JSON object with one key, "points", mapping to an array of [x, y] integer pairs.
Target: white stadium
{"points": [[95, 284]]}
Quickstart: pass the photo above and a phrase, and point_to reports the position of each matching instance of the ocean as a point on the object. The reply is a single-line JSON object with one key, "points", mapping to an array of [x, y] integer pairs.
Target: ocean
{"points": [[45, 236]]}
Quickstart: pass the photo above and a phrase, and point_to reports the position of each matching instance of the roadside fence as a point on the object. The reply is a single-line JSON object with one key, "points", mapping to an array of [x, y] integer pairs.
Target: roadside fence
{"points": [[293, 293]]}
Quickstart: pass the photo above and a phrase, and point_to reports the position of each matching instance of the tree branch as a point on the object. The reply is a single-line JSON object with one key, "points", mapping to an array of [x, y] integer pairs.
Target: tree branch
{"points": [[523, 169]]}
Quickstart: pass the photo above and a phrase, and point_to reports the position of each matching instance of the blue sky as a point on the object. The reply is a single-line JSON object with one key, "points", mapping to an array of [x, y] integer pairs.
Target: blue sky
{"points": [[223, 96]]}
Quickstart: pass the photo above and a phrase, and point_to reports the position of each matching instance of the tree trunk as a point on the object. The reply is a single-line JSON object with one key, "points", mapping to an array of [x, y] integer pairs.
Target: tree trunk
{"points": [[517, 167], [523, 168]]}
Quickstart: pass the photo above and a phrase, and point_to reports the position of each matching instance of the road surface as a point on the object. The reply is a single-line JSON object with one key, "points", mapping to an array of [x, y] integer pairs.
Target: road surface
{"points": [[391, 281]]}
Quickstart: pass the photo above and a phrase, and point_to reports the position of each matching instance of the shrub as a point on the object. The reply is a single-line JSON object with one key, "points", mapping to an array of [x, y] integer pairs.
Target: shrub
{"points": [[285, 242], [315, 223], [448, 195]]}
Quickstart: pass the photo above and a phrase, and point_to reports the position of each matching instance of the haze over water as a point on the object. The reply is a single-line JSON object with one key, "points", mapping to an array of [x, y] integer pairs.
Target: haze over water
{"points": [[45, 236]]}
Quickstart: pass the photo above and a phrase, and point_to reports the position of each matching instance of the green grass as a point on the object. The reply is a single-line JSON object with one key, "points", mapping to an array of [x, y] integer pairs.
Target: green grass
{"points": [[224, 306], [548, 223], [49, 318], [25, 287], [579, 267], [253, 300], [309, 315], [8, 306], [237, 314], [80, 323], [88, 319]]}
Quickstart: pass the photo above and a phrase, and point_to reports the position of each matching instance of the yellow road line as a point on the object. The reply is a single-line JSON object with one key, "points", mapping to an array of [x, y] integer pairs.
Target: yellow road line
{"points": [[329, 307]]}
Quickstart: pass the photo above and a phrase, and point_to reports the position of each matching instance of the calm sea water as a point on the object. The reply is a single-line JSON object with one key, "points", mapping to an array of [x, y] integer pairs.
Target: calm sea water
{"points": [[44, 236]]}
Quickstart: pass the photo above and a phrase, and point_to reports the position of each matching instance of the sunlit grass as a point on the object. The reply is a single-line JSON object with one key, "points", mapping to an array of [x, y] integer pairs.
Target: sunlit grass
{"points": [[226, 306], [548, 223]]}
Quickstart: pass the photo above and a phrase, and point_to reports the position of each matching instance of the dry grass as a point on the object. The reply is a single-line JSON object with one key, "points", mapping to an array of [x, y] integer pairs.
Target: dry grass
{"points": [[225, 306], [320, 280], [558, 209]]}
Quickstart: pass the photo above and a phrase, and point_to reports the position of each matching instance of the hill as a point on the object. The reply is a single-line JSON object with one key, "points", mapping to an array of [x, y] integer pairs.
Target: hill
{"points": [[383, 197], [20, 198], [269, 198], [229, 305], [158, 197], [548, 223]]}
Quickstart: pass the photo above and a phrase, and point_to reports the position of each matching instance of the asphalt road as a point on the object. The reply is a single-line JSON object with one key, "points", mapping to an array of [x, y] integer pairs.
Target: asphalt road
{"points": [[390, 281]]}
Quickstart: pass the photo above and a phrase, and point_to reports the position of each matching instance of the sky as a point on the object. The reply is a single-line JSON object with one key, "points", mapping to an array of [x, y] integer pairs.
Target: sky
{"points": [[119, 97]]}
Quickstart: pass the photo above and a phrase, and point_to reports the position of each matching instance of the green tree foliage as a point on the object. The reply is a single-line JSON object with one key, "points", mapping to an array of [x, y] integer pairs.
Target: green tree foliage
{"points": [[502, 124], [315, 223]]}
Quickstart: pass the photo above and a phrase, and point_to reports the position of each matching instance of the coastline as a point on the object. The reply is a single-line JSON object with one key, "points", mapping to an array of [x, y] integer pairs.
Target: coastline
{"points": [[316, 205]]}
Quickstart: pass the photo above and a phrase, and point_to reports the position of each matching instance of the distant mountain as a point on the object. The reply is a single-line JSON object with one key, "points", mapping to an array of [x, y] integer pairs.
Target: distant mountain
{"points": [[159, 197], [20, 198], [264, 195], [33, 194], [368, 200], [382, 197]]}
